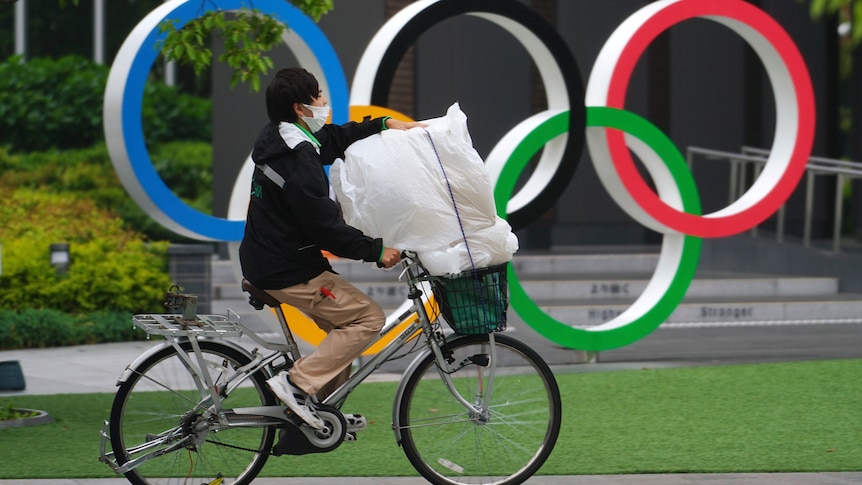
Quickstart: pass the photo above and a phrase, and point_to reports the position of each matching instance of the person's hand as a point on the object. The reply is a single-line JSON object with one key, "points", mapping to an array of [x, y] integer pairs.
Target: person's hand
{"points": [[390, 257], [393, 124]]}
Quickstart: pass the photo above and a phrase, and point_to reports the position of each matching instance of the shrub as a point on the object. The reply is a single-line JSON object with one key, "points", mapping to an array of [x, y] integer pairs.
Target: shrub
{"points": [[39, 328], [8, 412], [186, 167], [107, 326], [57, 103], [169, 115], [112, 268], [8, 338], [47, 103]]}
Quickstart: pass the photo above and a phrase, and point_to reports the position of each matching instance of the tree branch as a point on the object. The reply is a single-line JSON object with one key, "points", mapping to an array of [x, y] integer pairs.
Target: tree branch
{"points": [[247, 36]]}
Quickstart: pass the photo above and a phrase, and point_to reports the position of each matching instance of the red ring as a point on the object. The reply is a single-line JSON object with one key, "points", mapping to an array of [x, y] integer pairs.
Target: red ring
{"points": [[712, 226]]}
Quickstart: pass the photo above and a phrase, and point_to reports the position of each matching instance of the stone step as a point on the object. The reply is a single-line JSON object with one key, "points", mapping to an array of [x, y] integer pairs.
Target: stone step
{"points": [[589, 289], [567, 292], [604, 288], [565, 265], [528, 266], [721, 311], [687, 314], [548, 266]]}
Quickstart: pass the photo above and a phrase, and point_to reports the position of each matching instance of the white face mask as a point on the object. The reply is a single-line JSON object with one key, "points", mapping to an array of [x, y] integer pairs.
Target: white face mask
{"points": [[316, 122]]}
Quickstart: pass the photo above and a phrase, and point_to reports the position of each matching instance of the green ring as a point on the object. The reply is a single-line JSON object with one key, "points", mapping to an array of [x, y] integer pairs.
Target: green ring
{"points": [[615, 336]]}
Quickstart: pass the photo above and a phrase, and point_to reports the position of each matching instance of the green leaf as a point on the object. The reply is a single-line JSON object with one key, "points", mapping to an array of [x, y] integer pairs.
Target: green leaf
{"points": [[246, 37], [857, 23]]}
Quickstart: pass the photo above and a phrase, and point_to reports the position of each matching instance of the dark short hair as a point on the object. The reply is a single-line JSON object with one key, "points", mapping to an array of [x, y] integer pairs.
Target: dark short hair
{"points": [[290, 85]]}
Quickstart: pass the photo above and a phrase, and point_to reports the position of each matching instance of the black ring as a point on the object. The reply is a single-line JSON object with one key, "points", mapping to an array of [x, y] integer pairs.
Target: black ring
{"points": [[514, 10]]}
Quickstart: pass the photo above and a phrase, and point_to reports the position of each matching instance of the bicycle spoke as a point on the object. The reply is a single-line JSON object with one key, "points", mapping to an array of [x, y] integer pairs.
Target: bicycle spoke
{"points": [[161, 404], [197, 404], [505, 439]]}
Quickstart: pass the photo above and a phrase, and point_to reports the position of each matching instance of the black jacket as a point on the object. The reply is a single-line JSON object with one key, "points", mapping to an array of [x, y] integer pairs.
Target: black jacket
{"points": [[287, 227]]}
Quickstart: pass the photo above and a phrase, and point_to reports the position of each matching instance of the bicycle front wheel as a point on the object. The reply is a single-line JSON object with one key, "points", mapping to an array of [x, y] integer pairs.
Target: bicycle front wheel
{"points": [[160, 417], [506, 437]]}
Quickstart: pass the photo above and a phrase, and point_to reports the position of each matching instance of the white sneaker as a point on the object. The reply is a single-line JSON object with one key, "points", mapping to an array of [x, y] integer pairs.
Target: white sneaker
{"points": [[295, 398]]}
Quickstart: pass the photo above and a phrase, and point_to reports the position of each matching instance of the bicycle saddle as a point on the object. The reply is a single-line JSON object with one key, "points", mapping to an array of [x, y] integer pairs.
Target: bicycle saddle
{"points": [[257, 297]]}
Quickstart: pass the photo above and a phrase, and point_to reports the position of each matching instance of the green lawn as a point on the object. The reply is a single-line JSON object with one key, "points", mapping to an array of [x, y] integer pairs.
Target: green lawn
{"points": [[788, 417]]}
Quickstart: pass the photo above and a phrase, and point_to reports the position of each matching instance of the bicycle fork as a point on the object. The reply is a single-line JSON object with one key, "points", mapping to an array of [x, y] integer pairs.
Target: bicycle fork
{"points": [[485, 364], [479, 410]]}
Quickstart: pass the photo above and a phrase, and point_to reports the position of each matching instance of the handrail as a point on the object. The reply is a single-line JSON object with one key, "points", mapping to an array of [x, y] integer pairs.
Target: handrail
{"points": [[815, 160], [757, 157]]}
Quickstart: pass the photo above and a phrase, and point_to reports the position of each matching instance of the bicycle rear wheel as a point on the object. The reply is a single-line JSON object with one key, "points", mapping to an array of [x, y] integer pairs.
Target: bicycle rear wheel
{"points": [[505, 444], [156, 408]]}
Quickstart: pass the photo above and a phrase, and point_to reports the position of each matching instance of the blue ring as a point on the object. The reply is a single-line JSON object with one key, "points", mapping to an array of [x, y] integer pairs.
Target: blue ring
{"points": [[205, 225]]}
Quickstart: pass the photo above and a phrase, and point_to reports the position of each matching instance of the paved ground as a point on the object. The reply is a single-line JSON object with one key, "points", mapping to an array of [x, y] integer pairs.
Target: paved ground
{"points": [[95, 369]]}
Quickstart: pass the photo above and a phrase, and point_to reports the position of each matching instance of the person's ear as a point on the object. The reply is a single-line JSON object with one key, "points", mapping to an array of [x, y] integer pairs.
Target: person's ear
{"points": [[297, 108]]}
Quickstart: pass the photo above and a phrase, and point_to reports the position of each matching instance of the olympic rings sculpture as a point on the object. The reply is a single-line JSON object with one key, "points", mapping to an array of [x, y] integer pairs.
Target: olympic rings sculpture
{"points": [[611, 134]]}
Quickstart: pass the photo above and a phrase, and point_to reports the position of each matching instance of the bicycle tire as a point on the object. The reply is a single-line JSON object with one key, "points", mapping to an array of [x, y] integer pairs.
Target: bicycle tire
{"points": [[449, 446], [160, 394]]}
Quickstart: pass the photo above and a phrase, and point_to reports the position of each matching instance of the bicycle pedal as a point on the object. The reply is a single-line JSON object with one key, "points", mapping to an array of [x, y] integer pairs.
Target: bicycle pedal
{"points": [[350, 437], [355, 422]]}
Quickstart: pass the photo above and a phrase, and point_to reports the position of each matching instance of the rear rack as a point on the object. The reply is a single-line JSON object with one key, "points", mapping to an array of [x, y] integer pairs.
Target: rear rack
{"points": [[175, 325]]}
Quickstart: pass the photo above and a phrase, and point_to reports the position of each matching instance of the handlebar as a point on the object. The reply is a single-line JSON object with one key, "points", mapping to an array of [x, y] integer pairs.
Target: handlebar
{"points": [[405, 254]]}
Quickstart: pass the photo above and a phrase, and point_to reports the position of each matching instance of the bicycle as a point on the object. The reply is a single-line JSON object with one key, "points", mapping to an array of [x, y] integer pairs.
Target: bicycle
{"points": [[475, 406]]}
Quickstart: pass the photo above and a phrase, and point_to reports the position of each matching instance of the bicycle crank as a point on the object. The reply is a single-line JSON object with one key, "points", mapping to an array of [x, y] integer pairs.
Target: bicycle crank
{"points": [[303, 439]]}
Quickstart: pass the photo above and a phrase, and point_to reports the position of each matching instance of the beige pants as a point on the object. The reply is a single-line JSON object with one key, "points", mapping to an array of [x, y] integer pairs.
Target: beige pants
{"points": [[350, 319]]}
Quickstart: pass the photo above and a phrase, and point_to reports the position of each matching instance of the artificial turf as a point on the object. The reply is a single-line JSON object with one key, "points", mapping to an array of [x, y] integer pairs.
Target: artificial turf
{"points": [[785, 417]]}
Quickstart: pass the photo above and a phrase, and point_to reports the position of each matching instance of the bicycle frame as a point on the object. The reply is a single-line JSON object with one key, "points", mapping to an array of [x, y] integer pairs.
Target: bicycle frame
{"points": [[434, 341]]}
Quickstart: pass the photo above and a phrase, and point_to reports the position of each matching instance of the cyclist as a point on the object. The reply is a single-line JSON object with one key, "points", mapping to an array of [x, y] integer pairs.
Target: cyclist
{"points": [[291, 218]]}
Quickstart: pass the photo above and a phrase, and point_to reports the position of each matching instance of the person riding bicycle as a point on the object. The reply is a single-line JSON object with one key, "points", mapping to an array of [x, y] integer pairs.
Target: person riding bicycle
{"points": [[291, 218]]}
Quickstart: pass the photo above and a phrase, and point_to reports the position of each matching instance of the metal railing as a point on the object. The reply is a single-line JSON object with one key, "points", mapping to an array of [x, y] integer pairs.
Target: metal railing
{"points": [[843, 171]]}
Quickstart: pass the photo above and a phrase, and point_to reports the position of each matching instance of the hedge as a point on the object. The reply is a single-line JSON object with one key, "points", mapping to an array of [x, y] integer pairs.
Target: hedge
{"points": [[112, 268], [42, 328], [57, 103], [185, 166]]}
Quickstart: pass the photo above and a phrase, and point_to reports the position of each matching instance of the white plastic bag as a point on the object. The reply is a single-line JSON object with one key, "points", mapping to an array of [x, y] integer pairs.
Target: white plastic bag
{"points": [[392, 186]]}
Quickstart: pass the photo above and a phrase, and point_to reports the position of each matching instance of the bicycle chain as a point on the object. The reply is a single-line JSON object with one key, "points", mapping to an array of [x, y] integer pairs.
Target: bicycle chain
{"points": [[268, 453]]}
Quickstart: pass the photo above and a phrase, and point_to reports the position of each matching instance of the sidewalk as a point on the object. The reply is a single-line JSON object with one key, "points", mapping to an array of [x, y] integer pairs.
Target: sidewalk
{"points": [[76, 369]]}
